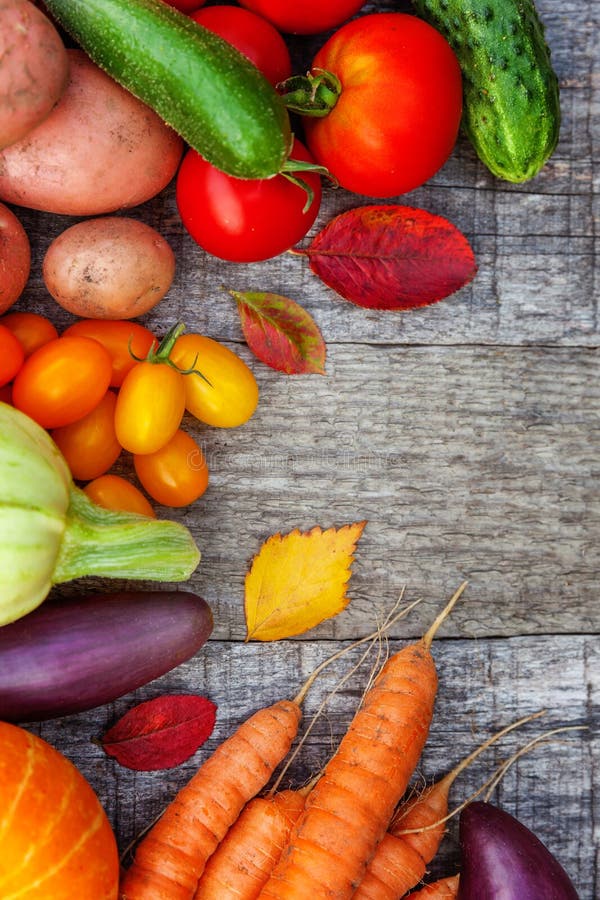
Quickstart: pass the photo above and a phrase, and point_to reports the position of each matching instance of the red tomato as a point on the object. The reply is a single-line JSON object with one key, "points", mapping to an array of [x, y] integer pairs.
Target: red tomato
{"points": [[114, 492], [31, 329], [150, 407], [397, 118], [251, 35], [185, 6], [62, 381], [175, 475], [308, 17], [12, 355], [90, 445], [6, 394], [120, 338], [244, 220]]}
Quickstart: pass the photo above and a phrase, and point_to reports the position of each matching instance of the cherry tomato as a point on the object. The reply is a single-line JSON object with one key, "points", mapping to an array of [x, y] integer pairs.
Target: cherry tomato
{"points": [[31, 329], [251, 35], [150, 407], [308, 17], [114, 492], [185, 6], [90, 445], [244, 220], [396, 120], [175, 475], [62, 381], [12, 355], [6, 394], [120, 338], [232, 394]]}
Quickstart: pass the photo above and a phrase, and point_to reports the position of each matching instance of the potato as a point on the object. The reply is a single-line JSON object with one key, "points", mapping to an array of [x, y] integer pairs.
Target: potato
{"points": [[100, 149], [34, 67], [15, 258], [109, 268]]}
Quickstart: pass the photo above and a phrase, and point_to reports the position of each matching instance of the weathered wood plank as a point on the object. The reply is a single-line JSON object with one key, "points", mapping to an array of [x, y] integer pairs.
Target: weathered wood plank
{"points": [[467, 463], [484, 685]]}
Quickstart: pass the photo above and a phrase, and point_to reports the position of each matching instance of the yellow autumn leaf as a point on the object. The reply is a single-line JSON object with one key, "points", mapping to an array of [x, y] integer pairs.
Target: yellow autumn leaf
{"points": [[298, 580]]}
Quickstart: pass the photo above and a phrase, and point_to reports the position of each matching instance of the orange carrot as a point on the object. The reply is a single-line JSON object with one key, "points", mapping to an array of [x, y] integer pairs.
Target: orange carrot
{"points": [[172, 856], [444, 889], [348, 811], [413, 839], [242, 863]]}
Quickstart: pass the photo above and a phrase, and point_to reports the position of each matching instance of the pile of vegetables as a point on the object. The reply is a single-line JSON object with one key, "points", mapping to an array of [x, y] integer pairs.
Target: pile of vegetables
{"points": [[349, 833], [155, 92]]}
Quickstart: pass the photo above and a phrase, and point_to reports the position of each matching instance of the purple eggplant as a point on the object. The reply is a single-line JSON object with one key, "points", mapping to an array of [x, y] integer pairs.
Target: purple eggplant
{"points": [[74, 654], [501, 859]]}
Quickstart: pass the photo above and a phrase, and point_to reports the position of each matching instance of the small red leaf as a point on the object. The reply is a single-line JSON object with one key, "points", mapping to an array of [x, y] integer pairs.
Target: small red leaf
{"points": [[161, 733], [281, 333], [391, 257]]}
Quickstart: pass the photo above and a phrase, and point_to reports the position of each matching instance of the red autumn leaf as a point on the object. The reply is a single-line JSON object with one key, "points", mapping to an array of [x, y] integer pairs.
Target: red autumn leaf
{"points": [[391, 257], [281, 333], [161, 733]]}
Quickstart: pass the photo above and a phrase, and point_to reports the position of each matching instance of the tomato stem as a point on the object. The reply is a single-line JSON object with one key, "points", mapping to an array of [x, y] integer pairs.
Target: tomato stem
{"points": [[313, 94], [290, 169], [162, 353]]}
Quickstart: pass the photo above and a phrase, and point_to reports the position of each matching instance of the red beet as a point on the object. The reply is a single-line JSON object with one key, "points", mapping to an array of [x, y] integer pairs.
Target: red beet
{"points": [[504, 860]]}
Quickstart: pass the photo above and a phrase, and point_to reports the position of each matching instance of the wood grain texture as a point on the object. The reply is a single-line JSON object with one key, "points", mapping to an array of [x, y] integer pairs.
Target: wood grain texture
{"points": [[466, 433], [474, 463]]}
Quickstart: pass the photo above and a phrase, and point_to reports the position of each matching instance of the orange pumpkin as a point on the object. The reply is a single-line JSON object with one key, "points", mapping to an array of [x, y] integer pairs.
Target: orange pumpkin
{"points": [[57, 843]]}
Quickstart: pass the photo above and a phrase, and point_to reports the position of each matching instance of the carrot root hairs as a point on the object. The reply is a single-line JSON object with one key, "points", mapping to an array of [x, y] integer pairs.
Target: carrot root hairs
{"points": [[348, 811], [443, 889], [416, 831]]}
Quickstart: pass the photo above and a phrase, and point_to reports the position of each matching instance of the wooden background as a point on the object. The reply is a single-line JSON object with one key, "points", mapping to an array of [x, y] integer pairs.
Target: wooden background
{"points": [[465, 433]]}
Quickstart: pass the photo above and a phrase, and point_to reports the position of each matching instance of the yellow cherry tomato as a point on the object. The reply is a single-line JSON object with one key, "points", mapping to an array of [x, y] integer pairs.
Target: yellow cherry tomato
{"points": [[150, 406], [227, 395]]}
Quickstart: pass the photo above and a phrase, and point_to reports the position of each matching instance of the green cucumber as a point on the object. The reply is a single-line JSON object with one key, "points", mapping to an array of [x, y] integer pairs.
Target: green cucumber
{"points": [[511, 109], [200, 85]]}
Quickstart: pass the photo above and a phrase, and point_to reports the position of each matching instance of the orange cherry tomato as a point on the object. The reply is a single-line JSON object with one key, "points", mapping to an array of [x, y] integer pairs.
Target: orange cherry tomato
{"points": [[90, 444], [31, 329], [12, 355], [62, 381], [114, 492], [175, 475], [121, 338], [228, 394]]}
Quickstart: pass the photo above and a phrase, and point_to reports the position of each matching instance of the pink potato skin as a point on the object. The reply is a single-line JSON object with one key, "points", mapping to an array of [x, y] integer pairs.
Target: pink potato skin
{"points": [[100, 150], [34, 68], [113, 267], [15, 258]]}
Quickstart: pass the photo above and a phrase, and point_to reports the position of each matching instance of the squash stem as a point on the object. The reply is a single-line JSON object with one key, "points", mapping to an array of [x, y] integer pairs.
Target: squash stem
{"points": [[99, 541]]}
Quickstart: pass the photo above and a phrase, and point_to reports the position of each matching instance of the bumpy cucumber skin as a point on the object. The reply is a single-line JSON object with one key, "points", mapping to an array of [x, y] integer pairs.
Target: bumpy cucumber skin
{"points": [[198, 83], [511, 110]]}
